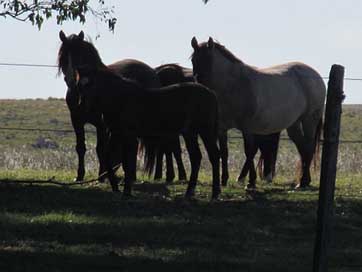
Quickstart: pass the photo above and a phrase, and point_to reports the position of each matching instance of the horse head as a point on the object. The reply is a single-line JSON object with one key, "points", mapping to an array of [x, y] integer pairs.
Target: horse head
{"points": [[86, 86], [73, 53], [202, 59]]}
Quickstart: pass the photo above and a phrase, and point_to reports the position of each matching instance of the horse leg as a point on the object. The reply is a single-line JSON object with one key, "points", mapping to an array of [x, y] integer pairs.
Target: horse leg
{"points": [[274, 152], [129, 164], [178, 157], [78, 126], [250, 149], [111, 152], [310, 126], [268, 145], [213, 153], [193, 149], [224, 153], [244, 171], [295, 133], [159, 163], [170, 172], [102, 138]]}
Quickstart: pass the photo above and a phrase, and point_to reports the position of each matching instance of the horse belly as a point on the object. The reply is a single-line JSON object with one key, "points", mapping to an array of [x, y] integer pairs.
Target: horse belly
{"points": [[275, 119]]}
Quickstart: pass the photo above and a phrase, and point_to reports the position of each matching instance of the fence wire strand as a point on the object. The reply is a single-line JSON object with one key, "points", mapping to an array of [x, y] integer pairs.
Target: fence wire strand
{"points": [[93, 132], [35, 65]]}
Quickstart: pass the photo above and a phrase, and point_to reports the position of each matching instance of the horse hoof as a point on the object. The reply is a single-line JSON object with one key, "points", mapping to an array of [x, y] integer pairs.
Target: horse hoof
{"points": [[301, 186], [250, 187], [241, 180], [182, 178], [189, 194], [102, 180], [268, 178], [169, 182], [215, 195], [169, 179]]}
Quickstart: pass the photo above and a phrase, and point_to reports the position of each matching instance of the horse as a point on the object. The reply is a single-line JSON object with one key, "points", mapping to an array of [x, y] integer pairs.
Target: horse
{"points": [[267, 144], [264, 100], [169, 74], [83, 52], [129, 109]]}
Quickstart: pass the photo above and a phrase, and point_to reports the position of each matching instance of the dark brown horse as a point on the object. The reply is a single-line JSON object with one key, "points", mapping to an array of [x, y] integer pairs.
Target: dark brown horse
{"points": [[131, 111], [83, 53], [267, 144]]}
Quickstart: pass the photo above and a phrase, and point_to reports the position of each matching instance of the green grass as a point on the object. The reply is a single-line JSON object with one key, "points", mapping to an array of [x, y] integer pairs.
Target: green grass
{"points": [[44, 227]]}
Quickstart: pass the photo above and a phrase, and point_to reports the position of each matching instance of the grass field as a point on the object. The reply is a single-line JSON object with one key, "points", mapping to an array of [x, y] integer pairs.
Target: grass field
{"points": [[44, 227]]}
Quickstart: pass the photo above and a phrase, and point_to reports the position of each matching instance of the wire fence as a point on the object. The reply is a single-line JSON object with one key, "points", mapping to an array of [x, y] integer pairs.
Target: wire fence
{"points": [[94, 132], [36, 65]]}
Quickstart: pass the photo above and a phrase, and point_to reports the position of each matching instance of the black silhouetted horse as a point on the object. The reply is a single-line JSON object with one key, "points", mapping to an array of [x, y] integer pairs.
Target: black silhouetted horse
{"points": [[84, 53], [131, 111], [128, 110]]}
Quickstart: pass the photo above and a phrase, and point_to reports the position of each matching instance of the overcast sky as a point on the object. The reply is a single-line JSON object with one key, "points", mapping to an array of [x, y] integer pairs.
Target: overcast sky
{"points": [[261, 33]]}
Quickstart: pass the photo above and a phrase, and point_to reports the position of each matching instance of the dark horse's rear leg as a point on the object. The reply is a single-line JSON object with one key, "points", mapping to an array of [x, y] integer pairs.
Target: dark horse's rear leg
{"points": [[165, 148], [210, 142], [224, 153], [129, 162], [102, 138], [129, 146], [305, 146], [159, 164], [268, 145], [178, 157], [111, 152], [170, 172], [250, 149], [193, 149]]}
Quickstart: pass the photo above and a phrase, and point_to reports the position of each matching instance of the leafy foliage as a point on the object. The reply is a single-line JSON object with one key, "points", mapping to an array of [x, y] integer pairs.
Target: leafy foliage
{"points": [[36, 11]]}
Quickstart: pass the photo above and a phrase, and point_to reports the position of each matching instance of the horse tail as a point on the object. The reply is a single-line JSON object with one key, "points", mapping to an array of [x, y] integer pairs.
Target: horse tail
{"points": [[318, 137], [150, 147]]}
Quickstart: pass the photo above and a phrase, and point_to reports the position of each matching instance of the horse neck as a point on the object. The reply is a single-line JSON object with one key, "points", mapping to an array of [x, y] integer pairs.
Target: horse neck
{"points": [[225, 69], [231, 81]]}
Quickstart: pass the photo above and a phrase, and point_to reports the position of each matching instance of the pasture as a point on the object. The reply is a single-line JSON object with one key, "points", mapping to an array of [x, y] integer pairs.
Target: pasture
{"points": [[44, 227]]}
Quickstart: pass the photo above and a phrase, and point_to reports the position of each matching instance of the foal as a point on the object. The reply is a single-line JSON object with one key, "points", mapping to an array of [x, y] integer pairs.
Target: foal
{"points": [[131, 111]]}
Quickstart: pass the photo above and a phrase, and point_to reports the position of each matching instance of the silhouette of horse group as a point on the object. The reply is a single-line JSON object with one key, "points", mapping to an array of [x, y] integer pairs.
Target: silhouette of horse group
{"points": [[130, 102]]}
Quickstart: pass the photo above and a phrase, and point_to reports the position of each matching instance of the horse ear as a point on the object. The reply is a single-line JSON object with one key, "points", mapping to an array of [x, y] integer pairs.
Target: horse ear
{"points": [[194, 43], [210, 43], [81, 36], [62, 36]]}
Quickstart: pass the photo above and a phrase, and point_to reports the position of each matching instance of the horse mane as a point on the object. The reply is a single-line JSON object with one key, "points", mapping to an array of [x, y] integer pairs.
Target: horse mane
{"points": [[87, 48], [223, 50]]}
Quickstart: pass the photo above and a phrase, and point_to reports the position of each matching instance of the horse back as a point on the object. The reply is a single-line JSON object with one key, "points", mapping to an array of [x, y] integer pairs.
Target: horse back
{"points": [[293, 88], [136, 70]]}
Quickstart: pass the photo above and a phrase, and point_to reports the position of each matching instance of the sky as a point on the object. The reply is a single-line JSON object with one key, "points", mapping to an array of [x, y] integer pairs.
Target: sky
{"points": [[260, 32]]}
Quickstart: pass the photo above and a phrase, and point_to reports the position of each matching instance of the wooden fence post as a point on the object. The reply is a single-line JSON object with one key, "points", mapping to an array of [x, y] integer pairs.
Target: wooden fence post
{"points": [[332, 120]]}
